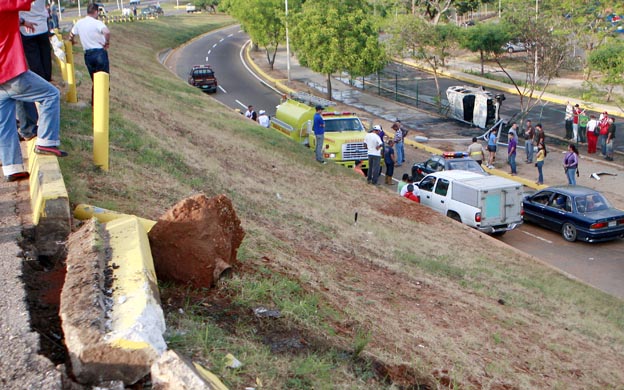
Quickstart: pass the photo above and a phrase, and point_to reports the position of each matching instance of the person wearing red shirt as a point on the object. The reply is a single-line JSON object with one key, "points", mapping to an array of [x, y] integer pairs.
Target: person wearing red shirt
{"points": [[411, 195], [17, 83], [575, 122]]}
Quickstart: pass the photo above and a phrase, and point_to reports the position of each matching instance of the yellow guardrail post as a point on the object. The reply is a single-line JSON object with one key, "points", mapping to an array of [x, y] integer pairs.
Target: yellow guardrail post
{"points": [[70, 77], [100, 119]]}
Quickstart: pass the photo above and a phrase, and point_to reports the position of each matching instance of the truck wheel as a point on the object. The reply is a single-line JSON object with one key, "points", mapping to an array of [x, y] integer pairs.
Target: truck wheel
{"points": [[568, 231], [499, 234], [453, 215]]}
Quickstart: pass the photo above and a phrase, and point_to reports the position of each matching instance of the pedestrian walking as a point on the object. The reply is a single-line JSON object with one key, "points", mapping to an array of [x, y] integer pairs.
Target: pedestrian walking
{"points": [[374, 145], [389, 160], [95, 40], [318, 125], [491, 147], [511, 151], [539, 162], [529, 135], [570, 164], [592, 134]]}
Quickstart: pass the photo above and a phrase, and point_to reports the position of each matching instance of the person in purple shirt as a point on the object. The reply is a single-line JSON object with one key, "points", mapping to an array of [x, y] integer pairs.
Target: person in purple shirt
{"points": [[511, 152]]}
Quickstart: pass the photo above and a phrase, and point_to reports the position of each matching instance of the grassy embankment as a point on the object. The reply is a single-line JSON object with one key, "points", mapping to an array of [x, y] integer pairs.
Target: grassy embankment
{"points": [[403, 294]]}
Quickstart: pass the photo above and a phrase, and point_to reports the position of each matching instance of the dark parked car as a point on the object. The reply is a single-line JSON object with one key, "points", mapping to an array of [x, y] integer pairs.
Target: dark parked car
{"points": [[445, 162], [203, 77], [579, 213], [152, 10]]}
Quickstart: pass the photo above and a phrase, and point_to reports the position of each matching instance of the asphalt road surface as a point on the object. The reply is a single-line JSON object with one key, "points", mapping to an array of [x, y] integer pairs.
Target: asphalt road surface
{"points": [[600, 264]]}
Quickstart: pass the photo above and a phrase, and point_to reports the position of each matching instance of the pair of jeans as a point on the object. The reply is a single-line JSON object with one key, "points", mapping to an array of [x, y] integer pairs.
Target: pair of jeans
{"points": [[602, 142], [400, 151], [374, 166], [528, 145], [27, 87], [571, 174], [320, 139], [28, 116], [512, 163], [540, 174], [96, 60]]}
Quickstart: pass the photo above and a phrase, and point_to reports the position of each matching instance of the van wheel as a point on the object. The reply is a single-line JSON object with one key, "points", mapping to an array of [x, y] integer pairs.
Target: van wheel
{"points": [[568, 231], [453, 215]]}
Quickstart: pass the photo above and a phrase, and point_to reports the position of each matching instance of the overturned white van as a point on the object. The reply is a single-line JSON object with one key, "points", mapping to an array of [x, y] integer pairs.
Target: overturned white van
{"points": [[474, 105]]}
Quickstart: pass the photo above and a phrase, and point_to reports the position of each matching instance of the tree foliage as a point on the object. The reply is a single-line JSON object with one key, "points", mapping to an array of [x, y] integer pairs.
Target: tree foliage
{"points": [[337, 35], [264, 21], [609, 60], [418, 38], [487, 39]]}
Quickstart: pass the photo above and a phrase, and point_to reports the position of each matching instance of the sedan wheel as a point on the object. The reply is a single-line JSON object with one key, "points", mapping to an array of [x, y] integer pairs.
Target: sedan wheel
{"points": [[568, 231]]}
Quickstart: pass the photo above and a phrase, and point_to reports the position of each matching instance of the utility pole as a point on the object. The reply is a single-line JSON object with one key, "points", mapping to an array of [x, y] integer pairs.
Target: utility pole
{"points": [[288, 43], [535, 47]]}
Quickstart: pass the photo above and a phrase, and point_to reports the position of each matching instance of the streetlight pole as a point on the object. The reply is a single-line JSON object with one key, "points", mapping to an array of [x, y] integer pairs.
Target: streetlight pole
{"points": [[287, 44], [535, 47]]}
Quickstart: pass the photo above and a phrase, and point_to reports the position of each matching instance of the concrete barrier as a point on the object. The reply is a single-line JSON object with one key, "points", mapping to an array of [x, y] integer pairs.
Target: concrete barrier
{"points": [[49, 202], [110, 304], [85, 211]]}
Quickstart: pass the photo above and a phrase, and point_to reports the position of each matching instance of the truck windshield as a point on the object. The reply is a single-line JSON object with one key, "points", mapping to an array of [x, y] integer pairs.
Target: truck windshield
{"points": [[343, 124]]}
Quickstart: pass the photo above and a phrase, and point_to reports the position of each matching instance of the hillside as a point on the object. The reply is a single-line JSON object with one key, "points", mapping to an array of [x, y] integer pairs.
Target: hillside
{"points": [[404, 298]]}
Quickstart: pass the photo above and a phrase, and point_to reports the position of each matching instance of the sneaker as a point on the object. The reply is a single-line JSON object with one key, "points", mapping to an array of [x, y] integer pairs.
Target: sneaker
{"points": [[17, 176], [51, 150]]}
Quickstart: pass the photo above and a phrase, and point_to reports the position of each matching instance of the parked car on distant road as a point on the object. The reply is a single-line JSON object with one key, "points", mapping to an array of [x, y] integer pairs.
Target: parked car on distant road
{"points": [[577, 212], [514, 47], [203, 77], [152, 10], [135, 2], [190, 7], [445, 162]]}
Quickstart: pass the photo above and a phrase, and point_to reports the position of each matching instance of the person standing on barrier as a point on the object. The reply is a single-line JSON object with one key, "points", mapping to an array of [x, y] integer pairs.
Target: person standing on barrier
{"points": [[95, 41], [17, 83], [318, 125], [39, 58]]}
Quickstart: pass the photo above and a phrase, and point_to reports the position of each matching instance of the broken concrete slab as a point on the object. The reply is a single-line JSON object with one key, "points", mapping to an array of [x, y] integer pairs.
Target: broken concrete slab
{"points": [[174, 372], [110, 305]]}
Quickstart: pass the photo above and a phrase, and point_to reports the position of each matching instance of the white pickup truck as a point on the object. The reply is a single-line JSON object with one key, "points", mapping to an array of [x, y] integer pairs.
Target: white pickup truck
{"points": [[490, 204]]}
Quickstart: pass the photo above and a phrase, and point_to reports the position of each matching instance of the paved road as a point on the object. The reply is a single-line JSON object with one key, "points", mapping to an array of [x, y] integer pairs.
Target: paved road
{"points": [[222, 48]]}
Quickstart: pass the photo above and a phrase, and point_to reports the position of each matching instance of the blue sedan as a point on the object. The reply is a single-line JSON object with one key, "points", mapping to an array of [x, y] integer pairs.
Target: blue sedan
{"points": [[579, 213]]}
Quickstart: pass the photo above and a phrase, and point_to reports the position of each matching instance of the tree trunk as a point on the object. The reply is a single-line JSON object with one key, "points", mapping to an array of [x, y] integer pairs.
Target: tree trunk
{"points": [[329, 87], [482, 61]]}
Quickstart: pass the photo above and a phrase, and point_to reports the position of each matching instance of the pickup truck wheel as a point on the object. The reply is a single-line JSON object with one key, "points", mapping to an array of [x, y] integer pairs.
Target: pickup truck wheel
{"points": [[454, 215], [568, 231], [499, 234]]}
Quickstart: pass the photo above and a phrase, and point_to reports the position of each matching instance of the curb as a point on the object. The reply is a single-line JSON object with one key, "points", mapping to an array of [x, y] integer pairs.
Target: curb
{"points": [[49, 202]]}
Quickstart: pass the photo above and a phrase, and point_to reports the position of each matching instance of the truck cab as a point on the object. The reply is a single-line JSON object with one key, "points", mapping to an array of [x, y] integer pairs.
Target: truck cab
{"points": [[344, 131], [490, 204]]}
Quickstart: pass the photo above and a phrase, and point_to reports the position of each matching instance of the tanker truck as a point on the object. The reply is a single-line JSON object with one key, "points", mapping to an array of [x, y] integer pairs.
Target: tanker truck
{"points": [[344, 131]]}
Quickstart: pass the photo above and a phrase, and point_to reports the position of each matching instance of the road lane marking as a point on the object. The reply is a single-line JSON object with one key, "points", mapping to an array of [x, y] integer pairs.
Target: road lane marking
{"points": [[215, 45], [230, 36], [536, 236], [221, 88], [238, 101], [221, 40]]}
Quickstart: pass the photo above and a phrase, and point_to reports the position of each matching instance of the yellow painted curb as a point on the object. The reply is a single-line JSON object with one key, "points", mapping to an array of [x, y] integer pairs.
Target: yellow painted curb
{"points": [[85, 211], [137, 320], [276, 83]]}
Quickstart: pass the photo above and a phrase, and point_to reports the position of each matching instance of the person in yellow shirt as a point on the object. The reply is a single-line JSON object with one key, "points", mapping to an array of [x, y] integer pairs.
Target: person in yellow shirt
{"points": [[541, 155]]}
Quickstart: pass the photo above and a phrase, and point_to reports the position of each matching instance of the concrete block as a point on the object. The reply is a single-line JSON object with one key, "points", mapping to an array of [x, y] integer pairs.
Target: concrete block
{"points": [[174, 372], [110, 305], [49, 202]]}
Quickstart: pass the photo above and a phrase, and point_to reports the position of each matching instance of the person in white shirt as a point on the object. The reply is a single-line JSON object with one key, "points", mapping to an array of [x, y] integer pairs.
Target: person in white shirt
{"points": [[95, 41], [263, 119], [374, 145]]}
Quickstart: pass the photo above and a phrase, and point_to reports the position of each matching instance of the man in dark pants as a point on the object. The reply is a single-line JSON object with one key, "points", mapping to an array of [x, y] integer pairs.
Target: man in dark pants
{"points": [[39, 58], [95, 40]]}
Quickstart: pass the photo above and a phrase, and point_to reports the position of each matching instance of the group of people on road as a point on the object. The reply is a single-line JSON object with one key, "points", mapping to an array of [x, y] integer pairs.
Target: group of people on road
{"points": [[597, 132]]}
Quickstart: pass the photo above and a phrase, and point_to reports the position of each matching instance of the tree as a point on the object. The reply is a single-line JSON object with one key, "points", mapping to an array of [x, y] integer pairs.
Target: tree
{"points": [[609, 60], [429, 44], [337, 35], [264, 21], [487, 39]]}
